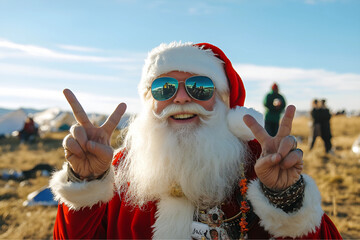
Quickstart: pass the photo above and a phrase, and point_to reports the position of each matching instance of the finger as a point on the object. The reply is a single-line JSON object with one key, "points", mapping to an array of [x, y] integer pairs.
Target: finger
{"points": [[79, 134], [77, 109], [286, 122], [287, 144], [259, 132], [113, 120], [68, 154], [266, 162], [293, 159], [73, 147], [102, 152], [74, 162], [66, 151]]}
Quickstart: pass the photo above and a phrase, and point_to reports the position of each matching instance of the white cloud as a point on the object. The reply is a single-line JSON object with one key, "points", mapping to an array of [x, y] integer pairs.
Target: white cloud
{"points": [[39, 72], [300, 86], [34, 93], [79, 48], [107, 104], [309, 77], [312, 2], [45, 53], [203, 9]]}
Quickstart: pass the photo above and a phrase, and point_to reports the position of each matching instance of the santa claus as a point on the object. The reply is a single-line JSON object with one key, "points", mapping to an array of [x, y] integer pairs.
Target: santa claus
{"points": [[195, 162]]}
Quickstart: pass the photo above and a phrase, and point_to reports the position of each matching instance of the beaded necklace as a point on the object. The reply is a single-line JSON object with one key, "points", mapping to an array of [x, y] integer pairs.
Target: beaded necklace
{"points": [[244, 208], [214, 217]]}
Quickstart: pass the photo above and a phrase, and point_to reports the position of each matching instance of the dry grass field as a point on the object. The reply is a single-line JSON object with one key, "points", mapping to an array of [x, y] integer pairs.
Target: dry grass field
{"points": [[338, 178]]}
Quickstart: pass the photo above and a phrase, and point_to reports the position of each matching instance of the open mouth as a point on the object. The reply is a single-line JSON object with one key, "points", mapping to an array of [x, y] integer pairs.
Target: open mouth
{"points": [[184, 116]]}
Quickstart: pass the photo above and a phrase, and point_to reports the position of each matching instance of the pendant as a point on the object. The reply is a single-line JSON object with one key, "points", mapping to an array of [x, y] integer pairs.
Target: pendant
{"points": [[214, 219], [176, 191]]}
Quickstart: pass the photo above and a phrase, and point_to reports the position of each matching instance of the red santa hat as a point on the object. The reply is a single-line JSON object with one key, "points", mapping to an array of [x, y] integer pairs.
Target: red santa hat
{"points": [[203, 59], [237, 89]]}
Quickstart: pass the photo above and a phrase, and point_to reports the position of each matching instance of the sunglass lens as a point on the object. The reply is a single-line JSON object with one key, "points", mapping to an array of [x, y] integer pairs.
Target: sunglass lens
{"points": [[164, 88], [200, 87]]}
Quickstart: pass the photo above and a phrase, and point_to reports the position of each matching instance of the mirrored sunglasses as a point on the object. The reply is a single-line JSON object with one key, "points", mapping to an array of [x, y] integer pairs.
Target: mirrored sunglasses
{"points": [[198, 87]]}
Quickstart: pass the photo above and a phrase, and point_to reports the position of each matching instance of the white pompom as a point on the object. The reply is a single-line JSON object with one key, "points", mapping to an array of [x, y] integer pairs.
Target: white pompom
{"points": [[237, 125]]}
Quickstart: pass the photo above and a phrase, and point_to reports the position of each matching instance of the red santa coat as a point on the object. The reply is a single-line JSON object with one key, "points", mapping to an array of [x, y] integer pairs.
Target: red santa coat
{"points": [[83, 215]]}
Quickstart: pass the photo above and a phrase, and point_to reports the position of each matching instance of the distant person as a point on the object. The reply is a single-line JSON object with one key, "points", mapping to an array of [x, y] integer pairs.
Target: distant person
{"points": [[324, 117], [315, 123], [275, 104], [29, 131]]}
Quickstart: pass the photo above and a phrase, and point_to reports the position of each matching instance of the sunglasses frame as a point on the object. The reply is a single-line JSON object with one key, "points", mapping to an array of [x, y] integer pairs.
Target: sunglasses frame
{"points": [[189, 94]]}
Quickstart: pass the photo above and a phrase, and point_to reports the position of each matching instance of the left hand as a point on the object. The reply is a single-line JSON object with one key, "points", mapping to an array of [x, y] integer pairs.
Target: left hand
{"points": [[280, 165]]}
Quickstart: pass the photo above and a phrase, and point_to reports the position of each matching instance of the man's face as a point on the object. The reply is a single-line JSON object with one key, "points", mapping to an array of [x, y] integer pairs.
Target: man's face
{"points": [[182, 98]]}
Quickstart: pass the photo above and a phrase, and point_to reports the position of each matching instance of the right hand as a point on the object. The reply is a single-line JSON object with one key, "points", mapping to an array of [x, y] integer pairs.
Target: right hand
{"points": [[280, 165], [87, 147]]}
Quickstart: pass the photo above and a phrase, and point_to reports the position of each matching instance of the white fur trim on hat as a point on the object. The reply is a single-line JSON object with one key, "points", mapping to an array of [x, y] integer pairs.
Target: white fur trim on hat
{"points": [[237, 125], [84, 194], [281, 224], [184, 57]]}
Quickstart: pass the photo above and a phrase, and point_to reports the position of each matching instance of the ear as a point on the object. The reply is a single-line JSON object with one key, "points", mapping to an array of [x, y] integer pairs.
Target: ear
{"points": [[237, 125]]}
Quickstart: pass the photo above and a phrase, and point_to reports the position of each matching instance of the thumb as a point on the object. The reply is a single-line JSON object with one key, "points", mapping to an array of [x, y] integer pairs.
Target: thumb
{"points": [[266, 168], [102, 152]]}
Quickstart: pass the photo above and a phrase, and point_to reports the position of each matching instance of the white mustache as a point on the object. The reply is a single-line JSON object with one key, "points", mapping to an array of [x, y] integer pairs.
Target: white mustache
{"points": [[188, 108]]}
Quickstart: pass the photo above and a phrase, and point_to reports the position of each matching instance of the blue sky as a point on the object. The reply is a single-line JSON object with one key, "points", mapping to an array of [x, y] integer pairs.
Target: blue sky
{"points": [[311, 48]]}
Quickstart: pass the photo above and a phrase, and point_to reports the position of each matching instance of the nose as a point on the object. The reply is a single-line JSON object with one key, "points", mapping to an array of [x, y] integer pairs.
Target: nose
{"points": [[182, 96]]}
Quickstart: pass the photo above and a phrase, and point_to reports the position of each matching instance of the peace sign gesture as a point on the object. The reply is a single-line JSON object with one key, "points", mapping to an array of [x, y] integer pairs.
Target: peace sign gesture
{"points": [[87, 147], [281, 163]]}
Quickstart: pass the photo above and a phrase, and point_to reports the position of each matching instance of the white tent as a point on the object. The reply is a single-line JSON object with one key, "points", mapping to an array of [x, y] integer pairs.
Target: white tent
{"points": [[12, 121], [45, 117], [43, 197], [65, 118], [50, 120]]}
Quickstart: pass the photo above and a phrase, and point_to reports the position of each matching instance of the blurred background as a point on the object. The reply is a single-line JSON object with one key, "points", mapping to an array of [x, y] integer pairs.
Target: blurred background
{"points": [[97, 48], [309, 48]]}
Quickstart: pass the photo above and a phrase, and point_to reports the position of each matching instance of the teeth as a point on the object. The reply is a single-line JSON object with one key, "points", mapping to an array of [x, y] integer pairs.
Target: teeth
{"points": [[183, 116]]}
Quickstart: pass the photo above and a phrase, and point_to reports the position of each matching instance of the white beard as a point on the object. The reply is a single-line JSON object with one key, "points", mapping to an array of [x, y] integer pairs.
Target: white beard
{"points": [[204, 160]]}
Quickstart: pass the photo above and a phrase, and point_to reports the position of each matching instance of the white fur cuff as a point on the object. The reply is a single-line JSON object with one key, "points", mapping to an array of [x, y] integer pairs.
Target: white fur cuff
{"points": [[280, 224], [237, 125], [84, 194]]}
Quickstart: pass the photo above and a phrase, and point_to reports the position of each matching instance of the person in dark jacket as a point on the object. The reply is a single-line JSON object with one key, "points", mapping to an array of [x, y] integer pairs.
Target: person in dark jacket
{"points": [[324, 117], [274, 104], [315, 124]]}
